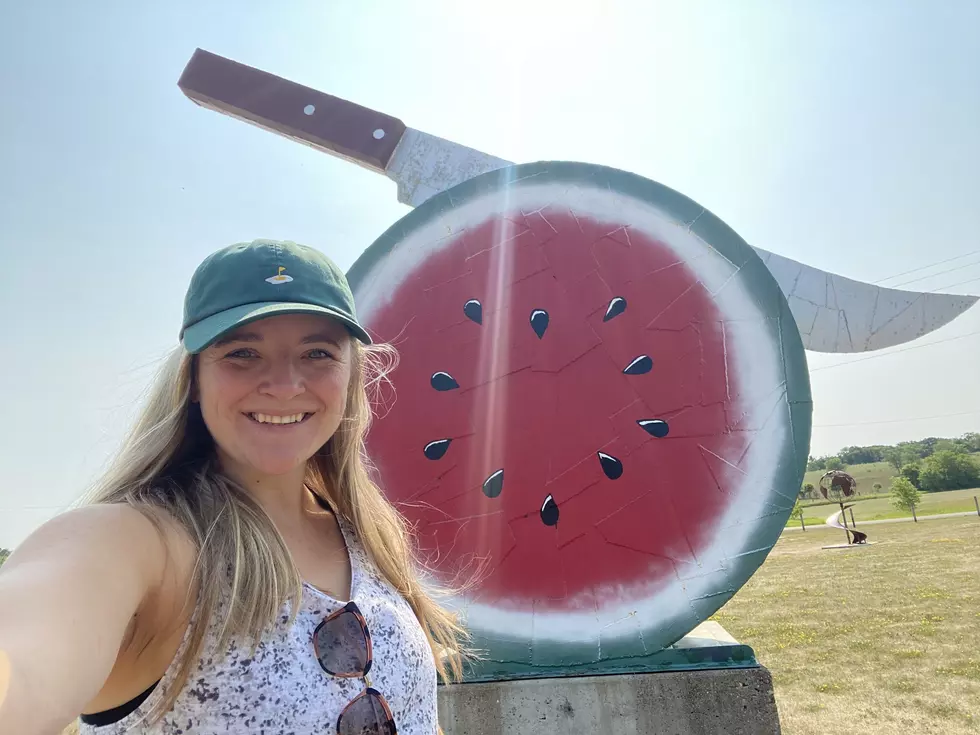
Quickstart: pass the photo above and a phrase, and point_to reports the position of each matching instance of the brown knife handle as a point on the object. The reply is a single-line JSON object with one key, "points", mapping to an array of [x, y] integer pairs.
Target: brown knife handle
{"points": [[320, 120]]}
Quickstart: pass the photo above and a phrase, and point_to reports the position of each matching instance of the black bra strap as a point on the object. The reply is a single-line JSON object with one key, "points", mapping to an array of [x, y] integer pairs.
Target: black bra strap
{"points": [[109, 716]]}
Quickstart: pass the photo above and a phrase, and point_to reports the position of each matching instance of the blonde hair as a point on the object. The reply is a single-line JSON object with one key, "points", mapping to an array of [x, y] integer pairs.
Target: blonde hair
{"points": [[167, 470]]}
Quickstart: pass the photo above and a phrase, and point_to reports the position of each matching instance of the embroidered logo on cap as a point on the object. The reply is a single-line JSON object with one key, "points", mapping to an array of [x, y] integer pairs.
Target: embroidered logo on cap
{"points": [[279, 278]]}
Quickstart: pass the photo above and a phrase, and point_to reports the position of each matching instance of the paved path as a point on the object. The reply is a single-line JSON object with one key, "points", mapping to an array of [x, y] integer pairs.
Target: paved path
{"points": [[886, 520]]}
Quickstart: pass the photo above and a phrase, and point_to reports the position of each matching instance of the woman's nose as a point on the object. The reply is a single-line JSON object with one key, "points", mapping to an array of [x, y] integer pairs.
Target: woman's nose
{"points": [[283, 380]]}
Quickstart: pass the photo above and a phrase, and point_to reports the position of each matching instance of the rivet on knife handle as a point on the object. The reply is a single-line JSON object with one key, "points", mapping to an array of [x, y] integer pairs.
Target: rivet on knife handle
{"points": [[321, 120]]}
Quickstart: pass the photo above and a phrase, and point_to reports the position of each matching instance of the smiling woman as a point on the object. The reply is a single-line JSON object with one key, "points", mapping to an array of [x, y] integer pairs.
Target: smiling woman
{"points": [[272, 393], [238, 537]]}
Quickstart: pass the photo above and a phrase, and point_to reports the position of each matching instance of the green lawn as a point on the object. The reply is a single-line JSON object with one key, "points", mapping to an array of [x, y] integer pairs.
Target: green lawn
{"points": [[879, 508], [880, 639]]}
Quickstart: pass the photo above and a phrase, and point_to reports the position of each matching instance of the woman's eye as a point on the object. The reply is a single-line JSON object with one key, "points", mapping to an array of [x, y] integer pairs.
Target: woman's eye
{"points": [[241, 354], [318, 354]]}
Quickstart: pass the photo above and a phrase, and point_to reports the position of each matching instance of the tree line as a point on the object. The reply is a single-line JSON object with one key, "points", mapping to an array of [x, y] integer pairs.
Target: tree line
{"points": [[897, 455], [929, 465]]}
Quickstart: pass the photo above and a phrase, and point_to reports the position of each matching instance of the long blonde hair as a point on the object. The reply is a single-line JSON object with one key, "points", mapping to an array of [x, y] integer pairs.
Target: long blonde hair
{"points": [[167, 470]]}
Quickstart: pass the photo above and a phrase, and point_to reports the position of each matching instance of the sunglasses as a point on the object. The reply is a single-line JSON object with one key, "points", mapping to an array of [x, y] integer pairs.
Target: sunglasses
{"points": [[342, 645]]}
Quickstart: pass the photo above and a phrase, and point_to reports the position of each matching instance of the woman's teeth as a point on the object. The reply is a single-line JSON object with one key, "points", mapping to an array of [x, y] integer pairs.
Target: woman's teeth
{"points": [[264, 418]]}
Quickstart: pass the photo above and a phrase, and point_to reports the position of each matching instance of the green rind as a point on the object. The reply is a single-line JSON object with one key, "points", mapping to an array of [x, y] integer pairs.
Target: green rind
{"points": [[733, 656], [514, 659]]}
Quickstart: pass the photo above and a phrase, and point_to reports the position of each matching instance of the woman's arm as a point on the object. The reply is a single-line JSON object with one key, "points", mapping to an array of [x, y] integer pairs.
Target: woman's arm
{"points": [[68, 595]]}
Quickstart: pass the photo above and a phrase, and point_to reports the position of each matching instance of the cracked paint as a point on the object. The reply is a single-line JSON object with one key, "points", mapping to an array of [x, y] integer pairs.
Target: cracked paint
{"points": [[609, 405], [852, 316]]}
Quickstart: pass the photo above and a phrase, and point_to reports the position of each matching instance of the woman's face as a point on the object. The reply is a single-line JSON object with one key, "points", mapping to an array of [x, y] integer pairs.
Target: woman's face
{"points": [[273, 392]]}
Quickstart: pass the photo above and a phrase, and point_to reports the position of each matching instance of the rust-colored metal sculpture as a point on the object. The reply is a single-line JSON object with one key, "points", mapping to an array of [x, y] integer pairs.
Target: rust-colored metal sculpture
{"points": [[837, 485]]}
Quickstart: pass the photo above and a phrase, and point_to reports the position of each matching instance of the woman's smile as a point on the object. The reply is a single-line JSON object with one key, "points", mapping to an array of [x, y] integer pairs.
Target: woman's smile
{"points": [[278, 420]]}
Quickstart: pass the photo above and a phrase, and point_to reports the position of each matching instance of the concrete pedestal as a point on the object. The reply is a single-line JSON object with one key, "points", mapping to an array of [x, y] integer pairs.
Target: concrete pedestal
{"points": [[709, 699]]}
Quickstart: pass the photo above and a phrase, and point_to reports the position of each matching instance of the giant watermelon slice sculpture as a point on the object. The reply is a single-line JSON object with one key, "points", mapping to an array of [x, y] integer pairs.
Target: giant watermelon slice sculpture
{"points": [[602, 410]]}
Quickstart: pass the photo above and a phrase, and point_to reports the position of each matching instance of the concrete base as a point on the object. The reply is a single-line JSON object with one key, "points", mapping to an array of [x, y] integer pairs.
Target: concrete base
{"points": [[734, 701]]}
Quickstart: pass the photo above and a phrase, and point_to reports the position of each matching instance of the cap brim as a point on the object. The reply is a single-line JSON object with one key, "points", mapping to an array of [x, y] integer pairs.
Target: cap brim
{"points": [[199, 336]]}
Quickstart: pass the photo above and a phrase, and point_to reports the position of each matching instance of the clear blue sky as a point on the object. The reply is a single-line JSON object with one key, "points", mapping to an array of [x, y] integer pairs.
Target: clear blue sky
{"points": [[843, 135]]}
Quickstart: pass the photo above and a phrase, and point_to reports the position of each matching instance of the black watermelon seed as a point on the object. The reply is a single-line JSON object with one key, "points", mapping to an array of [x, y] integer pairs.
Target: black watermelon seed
{"points": [[474, 310], [444, 381], [642, 364], [616, 307], [494, 484], [549, 512], [654, 427], [539, 322], [437, 449], [611, 466]]}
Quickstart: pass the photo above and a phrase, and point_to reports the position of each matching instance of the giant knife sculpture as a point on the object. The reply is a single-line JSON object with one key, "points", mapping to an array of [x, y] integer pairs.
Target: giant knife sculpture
{"points": [[833, 313]]}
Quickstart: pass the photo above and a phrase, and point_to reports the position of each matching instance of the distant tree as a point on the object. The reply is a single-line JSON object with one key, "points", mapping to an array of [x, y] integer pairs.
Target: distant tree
{"points": [[912, 451], [948, 470], [905, 495], [898, 457], [911, 473], [893, 456], [4, 553], [963, 445], [861, 455], [820, 463], [834, 463], [876, 487], [808, 491], [797, 512], [971, 441]]}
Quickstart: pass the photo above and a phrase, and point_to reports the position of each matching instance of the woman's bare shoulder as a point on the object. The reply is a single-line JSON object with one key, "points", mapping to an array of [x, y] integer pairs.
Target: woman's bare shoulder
{"points": [[106, 528], [159, 534], [144, 538]]}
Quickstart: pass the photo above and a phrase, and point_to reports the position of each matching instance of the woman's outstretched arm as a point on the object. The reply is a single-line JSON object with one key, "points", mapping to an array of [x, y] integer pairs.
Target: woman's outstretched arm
{"points": [[68, 594]]}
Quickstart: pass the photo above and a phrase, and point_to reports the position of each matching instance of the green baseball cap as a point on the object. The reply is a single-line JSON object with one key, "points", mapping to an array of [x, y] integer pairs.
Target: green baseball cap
{"points": [[253, 280]]}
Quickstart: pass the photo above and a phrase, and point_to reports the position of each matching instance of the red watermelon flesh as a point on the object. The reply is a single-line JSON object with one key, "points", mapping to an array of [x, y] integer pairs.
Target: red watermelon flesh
{"points": [[531, 321]]}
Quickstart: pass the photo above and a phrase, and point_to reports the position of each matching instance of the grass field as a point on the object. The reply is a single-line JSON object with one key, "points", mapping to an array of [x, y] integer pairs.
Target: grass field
{"points": [[883, 639], [865, 474], [878, 508]]}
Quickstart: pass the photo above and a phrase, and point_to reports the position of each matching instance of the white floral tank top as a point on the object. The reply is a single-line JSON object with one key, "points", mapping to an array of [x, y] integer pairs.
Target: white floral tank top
{"points": [[282, 690]]}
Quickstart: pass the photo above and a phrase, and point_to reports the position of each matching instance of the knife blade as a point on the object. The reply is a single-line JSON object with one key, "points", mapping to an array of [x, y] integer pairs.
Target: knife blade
{"points": [[833, 313]]}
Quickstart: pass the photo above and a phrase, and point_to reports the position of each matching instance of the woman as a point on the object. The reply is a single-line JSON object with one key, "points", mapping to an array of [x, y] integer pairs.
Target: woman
{"points": [[237, 570]]}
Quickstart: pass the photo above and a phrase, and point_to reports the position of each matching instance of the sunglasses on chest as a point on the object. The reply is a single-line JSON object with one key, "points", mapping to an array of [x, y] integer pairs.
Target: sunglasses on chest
{"points": [[342, 644]]}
